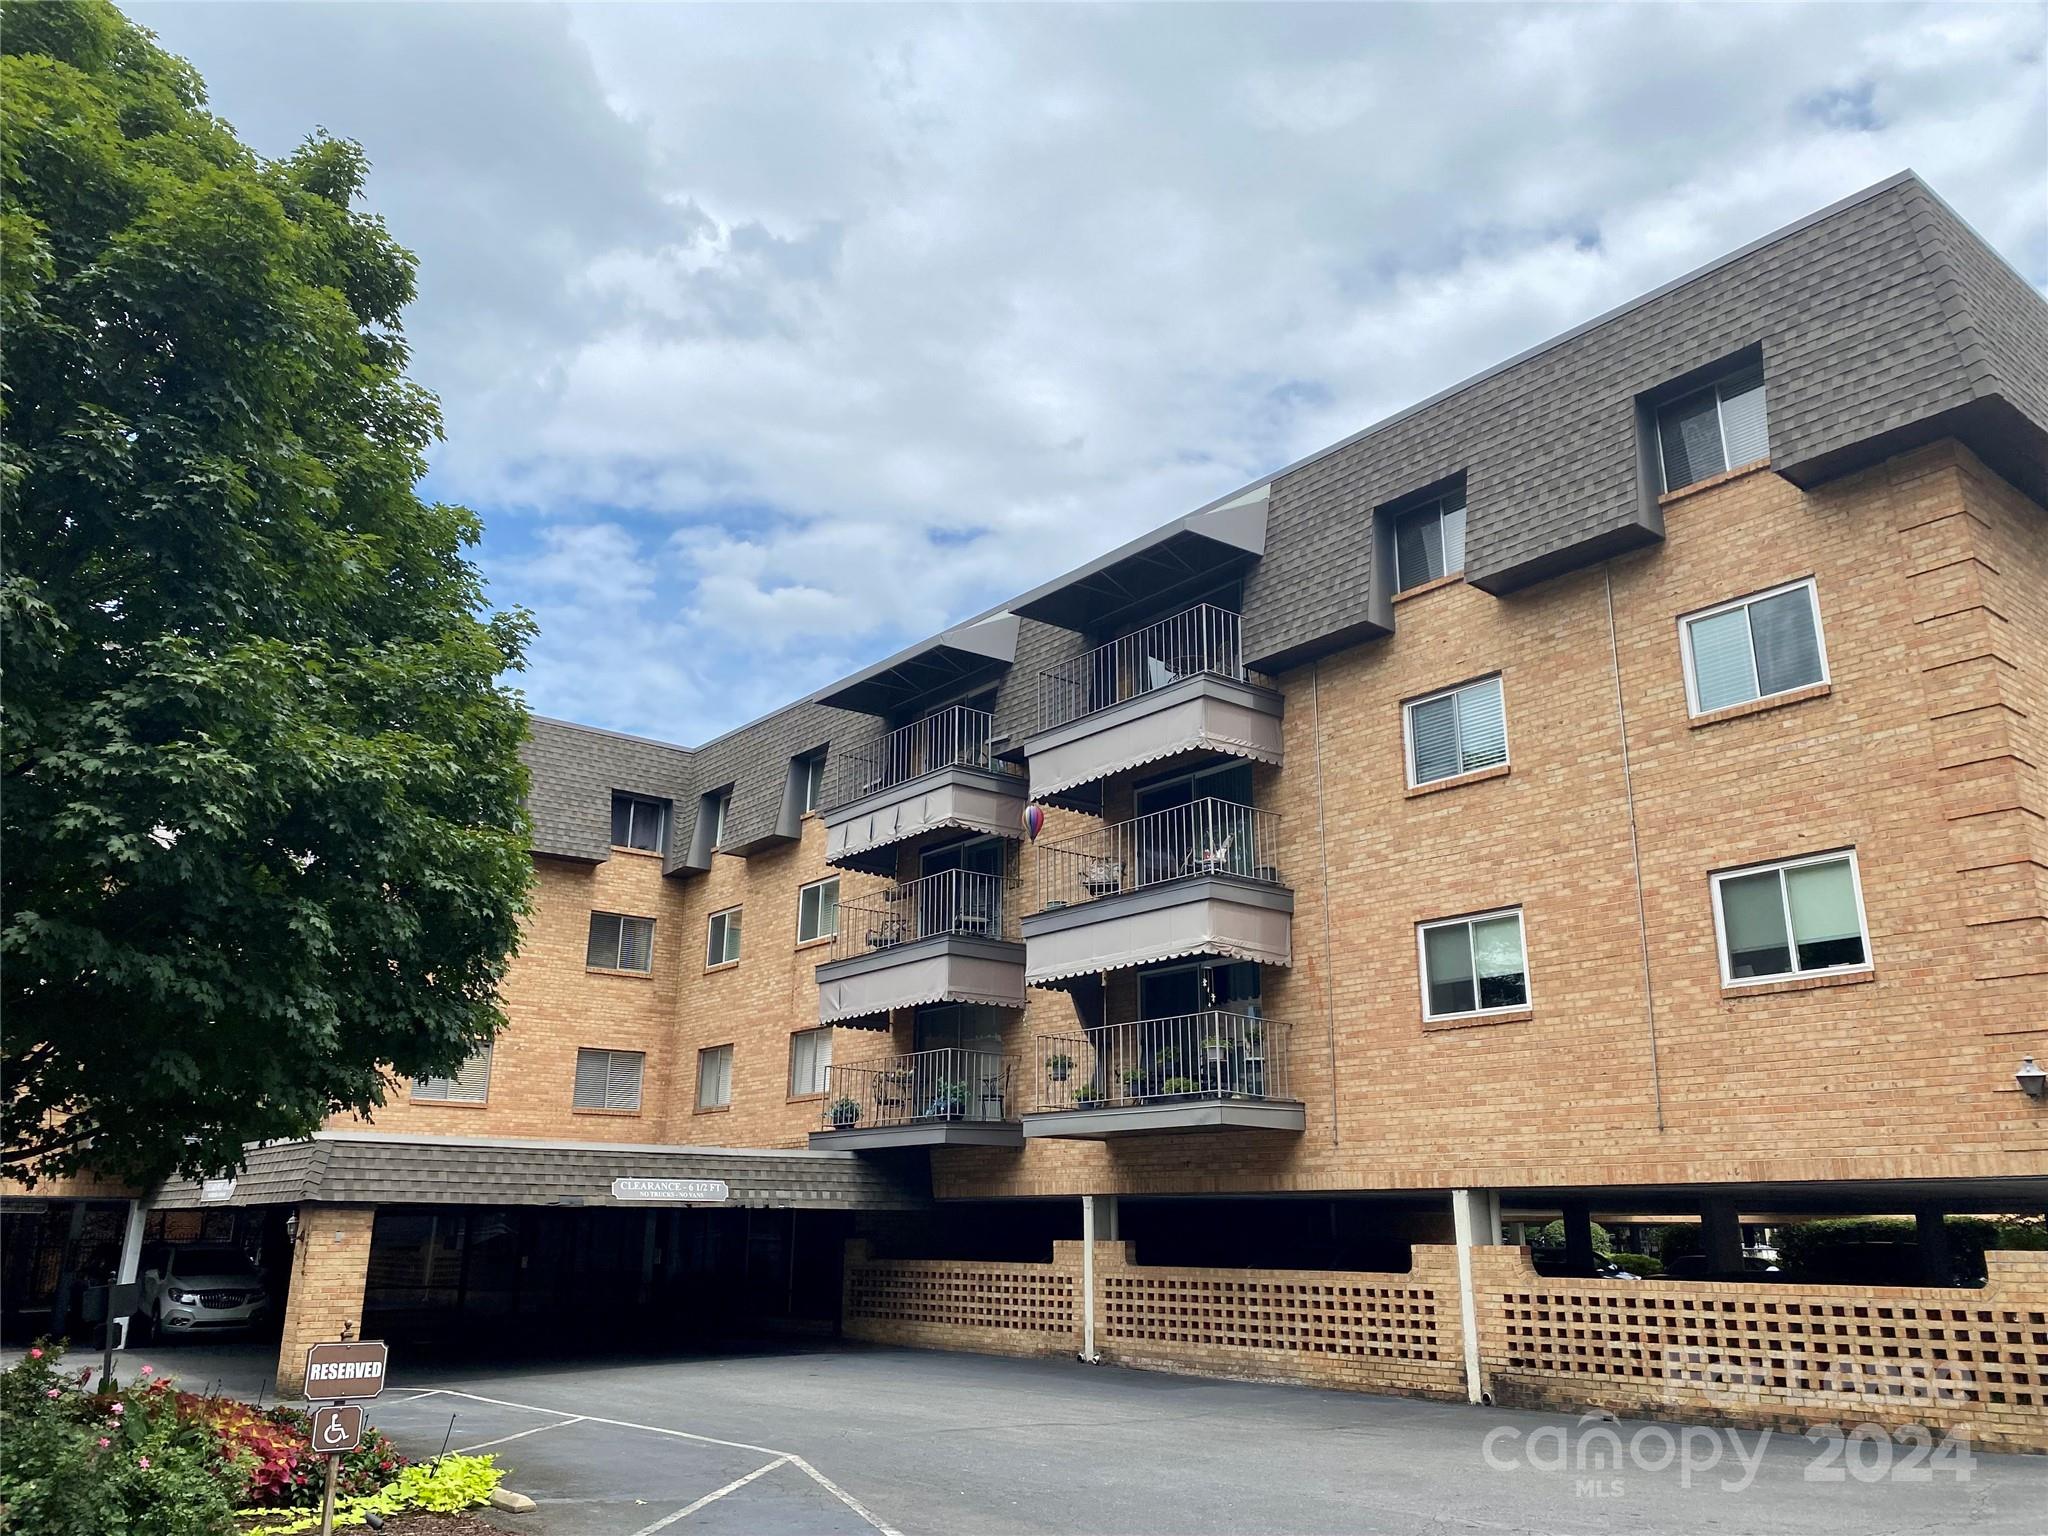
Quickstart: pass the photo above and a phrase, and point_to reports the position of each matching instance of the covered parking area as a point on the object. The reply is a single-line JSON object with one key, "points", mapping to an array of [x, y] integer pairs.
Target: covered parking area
{"points": [[518, 1249]]}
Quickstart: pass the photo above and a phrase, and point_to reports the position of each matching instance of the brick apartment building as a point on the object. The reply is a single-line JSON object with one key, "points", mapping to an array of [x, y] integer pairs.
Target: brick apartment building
{"points": [[1611, 788]]}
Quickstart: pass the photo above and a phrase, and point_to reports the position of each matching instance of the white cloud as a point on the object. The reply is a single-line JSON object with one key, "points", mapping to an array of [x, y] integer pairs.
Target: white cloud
{"points": [[845, 322]]}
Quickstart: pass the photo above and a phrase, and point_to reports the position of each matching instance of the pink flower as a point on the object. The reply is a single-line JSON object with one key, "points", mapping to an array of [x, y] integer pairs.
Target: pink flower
{"points": [[142, 1462], [35, 1354], [149, 1370], [117, 1408], [105, 1442], [53, 1392]]}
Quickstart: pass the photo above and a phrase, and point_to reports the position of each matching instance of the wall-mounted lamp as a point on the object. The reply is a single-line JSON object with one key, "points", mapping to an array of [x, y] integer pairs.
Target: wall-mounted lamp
{"points": [[2032, 1080], [291, 1226]]}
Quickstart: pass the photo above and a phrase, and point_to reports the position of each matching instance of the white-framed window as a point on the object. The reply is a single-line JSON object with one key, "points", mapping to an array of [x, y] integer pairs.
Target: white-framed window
{"points": [[1460, 730], [471, 1083], [619, 943], [608, 1079], [723, 944], [716, 806], [1429, 542], [638, 822], [1753, 647], [1473, 965], [812, 769], [1800, 917], [810, 1053], [817, 910], [714, 1077], [1716, 428]]}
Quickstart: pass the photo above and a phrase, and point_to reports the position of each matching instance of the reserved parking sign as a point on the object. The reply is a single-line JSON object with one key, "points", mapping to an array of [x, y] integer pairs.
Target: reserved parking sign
{"points": [[335, 1372]]}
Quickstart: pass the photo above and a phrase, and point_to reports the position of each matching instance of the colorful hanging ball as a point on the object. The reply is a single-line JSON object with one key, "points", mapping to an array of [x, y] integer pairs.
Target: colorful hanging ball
{"points": [[1034, 821]]}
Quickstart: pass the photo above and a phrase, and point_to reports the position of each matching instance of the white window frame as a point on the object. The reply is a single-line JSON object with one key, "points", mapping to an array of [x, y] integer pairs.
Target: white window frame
{"points": [[731, 932], [1779, 867], [1467, 922], [726, 1102], [619, 953], [660, 809], [1687, 620], [441, 1090], [804, 890], [639, 1081], [824, 1082], [1437, 505], [1713, 388], [1408, 731], [812, 768], [721, 806]]}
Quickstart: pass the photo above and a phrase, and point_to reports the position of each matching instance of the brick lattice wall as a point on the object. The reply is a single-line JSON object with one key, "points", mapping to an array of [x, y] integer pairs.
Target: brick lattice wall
{"points": [[1773, 1354], [984, 1308]]}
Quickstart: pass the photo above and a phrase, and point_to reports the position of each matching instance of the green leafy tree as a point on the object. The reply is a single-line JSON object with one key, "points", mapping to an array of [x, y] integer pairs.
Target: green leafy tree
{"points": [[264, 836]]}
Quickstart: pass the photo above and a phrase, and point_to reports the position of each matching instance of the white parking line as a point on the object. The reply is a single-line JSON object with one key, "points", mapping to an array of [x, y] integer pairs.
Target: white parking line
{"points": [[464, 1450], [711, 1498], [790, 1457]]}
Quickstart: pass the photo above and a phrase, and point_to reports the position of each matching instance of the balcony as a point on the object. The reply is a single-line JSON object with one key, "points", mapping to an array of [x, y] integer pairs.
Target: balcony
{"points": [[1208, 1071], [1197, 879], [944, 1098], [933, 774], [1176, 686], [948, 938]]}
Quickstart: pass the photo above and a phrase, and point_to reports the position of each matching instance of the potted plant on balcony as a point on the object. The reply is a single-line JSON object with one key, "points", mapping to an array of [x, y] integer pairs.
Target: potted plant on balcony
{"points": [[1099, 877], [1216, 1050], [1059, 1066], [948, 1101], [844, 1114], [1086, 1095], [1179, 1088], [1137, 1082]]}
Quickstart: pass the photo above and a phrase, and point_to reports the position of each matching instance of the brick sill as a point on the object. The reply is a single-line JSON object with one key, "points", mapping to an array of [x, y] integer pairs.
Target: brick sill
{"points": [[805, 1098], [1739, 472], [636, 853], [1475, 1020], [712, 1109], [803, 944], [1760, 706], [449, 1103], [1456, 578], [1743, 989], [1459, 781], [616, 1114], [606, 970], [723, 965]]}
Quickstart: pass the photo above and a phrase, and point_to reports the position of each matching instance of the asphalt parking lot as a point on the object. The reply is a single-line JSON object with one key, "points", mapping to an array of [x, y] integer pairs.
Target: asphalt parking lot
{"points": [[843, 1441]]}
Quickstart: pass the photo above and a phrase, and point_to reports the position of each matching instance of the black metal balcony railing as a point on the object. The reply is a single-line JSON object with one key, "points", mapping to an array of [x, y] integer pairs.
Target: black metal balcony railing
{"points": [[1204, 837], [1200, 640], [957, 737], [923, 1086], [1215, 1054], [957, 901]]}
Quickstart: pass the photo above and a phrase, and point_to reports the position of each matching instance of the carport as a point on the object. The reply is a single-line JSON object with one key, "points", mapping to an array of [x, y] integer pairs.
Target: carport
{"points": [[520, 1247]]}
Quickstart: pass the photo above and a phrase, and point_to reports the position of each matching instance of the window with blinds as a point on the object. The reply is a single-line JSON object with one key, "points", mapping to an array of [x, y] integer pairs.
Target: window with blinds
{"points": [[810, 1054], [1715, 429], [1460, 730], [1429, 542], [714, 1077], [1473, 965], [471, 1083], [1792, 919], [817, 910], [1754, 647], [619, 943], [722, 943], [608, 1079]]}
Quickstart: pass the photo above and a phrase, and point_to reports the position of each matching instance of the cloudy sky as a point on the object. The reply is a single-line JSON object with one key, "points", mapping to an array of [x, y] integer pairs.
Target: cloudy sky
{"points": [[773, 338]]}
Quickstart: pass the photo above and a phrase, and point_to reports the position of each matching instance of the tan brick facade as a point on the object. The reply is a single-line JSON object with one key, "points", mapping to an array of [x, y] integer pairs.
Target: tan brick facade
{"points": [[330, 1263], [1921, 753]]}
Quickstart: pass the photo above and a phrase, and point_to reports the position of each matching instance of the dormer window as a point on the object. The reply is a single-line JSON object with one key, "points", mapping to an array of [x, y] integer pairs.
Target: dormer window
{"points": [[638, 822], [1714, 430], [715, 807], [1429, 542]]}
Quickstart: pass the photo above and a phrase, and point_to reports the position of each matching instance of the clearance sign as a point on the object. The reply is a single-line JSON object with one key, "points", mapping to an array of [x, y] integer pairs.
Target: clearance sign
{"points": [[349, 1370]]}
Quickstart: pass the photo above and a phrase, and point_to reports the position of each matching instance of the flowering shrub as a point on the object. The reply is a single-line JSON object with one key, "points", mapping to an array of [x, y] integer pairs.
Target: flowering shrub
{"points": [[125, 1463], [443, 1485], [276, 1447]]}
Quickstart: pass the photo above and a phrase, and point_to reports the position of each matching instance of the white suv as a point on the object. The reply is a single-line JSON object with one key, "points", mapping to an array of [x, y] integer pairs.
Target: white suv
{"points": [[200, 1288]]}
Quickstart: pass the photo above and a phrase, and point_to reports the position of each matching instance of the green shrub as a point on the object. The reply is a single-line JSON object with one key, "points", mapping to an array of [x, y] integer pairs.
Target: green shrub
{"points": [[1551, 1235], [443, 1486], [124, 1463], [1641, 1265], [1805, 1245]]}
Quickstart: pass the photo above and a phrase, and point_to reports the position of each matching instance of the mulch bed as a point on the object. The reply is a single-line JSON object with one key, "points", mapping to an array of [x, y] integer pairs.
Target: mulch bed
{"points": [[414, 1522]]}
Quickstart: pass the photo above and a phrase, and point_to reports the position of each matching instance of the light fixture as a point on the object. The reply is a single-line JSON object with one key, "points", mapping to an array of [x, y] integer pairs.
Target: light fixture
{"points": [[291, 1227], [2032, 1080]]}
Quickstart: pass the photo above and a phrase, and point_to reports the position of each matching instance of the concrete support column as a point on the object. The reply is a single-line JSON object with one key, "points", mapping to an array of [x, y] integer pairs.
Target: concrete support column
{"points": [[1098, 1225], [1937, 1254], [1475, 1222], [1721, 1236], [1578, 1237], [130, 1267], [330, 1267]]}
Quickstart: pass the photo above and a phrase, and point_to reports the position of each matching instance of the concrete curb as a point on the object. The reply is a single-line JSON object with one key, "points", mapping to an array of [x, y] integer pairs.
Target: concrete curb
{"points": [[512, 1503]]}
